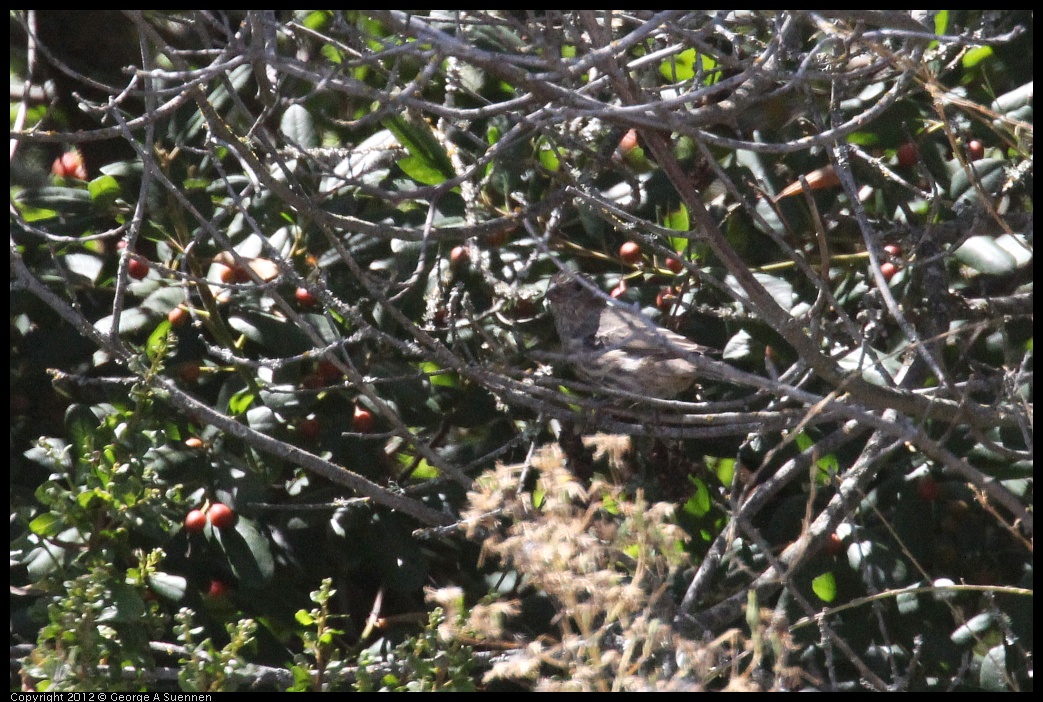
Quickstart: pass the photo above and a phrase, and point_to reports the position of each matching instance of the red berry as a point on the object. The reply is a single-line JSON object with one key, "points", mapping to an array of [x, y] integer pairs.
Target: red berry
{"points": [[362, 421], [218, 588], [226, 274], [908, 155], [675, 265], [976, 150], [834, 545], [927, 489], [177, 316], [264, 268], [305, 298], [630, 253], [893, 250], [888, 270], [629, 142], [497, 240], [665, 299], [194, 442], [70, 165], [523, 308], [240, 274], [228, 271], [138, 269], [189, 372], [459, 258], [195, 521], [310, 428], [221, 515], [327, 370]]}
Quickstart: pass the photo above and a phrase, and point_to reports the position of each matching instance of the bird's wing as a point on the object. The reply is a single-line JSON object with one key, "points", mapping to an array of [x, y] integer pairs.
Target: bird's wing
{"points": [[624, 329]]}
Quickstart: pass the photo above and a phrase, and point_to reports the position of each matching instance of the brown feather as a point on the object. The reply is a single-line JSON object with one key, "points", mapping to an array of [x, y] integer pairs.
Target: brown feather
{"points": [[608, 343]]}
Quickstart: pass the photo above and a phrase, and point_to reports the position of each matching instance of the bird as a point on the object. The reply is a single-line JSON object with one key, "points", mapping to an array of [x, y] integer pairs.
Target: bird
{"points": [[610, 344]]}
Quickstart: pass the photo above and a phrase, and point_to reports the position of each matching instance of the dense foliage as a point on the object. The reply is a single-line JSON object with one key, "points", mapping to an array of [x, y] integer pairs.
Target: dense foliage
{"points": [[285, 395]]}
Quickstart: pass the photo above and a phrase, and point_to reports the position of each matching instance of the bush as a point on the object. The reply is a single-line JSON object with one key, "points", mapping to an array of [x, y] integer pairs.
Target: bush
{"points": [[355, 216]]}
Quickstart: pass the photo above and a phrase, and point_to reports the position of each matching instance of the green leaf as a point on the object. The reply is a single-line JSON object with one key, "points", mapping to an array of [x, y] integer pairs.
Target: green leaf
{"points": [[168, 586], [157, 344], [982, 254], [127, 606], [974, 630], [35, 214], [298, 127], [422, 471], [41, 562], [828, 466], [803, 441], [679, 244], [698, 504], [104, 190], [427, 159], [439, 376], [123, 169], [84, 499], [317, 20], [723, 467], [990, 173], [68, 201], [859, 361], [47, 524], [941, 22], [549, 157], [81, 425], [1010, 103], [273, 333], [994, 674], [975, 56], [709, 69], [241, 401], [777, 287], [332, 54], [421, 170], [825, 586], [863, 138], [88, 265], [677, 220], [680, 67], [248, 552]]}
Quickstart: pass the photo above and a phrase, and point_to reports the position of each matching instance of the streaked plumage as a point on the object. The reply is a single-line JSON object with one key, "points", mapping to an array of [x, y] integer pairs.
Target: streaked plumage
{"points": [[610, 344]]}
